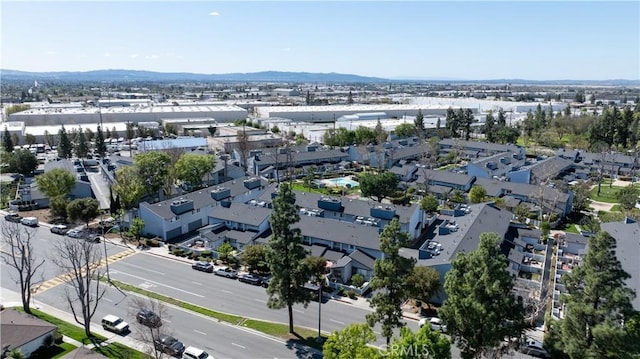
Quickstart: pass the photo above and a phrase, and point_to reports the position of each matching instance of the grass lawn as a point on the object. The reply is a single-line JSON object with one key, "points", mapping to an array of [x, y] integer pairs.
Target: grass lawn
{"points": [[55, 351], [571, 229], [607, 195], [304, 336], [71, 330], [616, 208], [119, 351]]}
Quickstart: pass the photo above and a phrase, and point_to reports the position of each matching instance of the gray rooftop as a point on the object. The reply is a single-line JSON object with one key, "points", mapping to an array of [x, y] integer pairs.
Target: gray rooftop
{"points": [[627, 237], [338, 231], [241, 213], [300, 155], [363, 258], [444, 176], [549, 168], [481, 146], [482, 218]]}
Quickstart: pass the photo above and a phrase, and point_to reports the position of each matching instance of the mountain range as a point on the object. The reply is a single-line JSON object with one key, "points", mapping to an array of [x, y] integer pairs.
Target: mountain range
{"points": [[7, 75]]}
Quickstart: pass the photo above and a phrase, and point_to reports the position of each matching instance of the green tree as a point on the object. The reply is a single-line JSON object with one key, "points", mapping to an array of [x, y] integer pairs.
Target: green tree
{"points": [[480, 311], [129, 186], [357, 280], [101, 146], [351, 343], [364, 135], [490, 127], [316, 267], [56, 182], [29, 139], [191, 168], [82, 147], [628, 196], [254, 257], [65, 148], [137, 225], [381, 134], [378, 185], [23, 162], [390, 272], [429, 204], [83, 209], [426, 343], [285, 255], [225, 251], [418, 122], [597, 302], [581, 197], [153, 170], [423, 283], [477, 194], [405, 130]]}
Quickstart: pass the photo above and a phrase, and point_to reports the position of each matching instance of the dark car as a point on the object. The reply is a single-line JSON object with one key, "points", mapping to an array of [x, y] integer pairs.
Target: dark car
{"points": [[92, 237], [13, 217], [265, 281], [203, 266], [250, 278], [59, 229], [148, 318], [169, 345], [535, 351]]}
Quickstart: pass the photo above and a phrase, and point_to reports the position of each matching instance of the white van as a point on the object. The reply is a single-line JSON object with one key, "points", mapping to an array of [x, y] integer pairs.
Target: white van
{"points": [[195, 353], [30, 221]]}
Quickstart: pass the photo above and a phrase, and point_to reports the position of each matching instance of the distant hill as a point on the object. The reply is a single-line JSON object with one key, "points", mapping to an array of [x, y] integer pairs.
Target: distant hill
{"points": [[270, 76], [135, 75]]}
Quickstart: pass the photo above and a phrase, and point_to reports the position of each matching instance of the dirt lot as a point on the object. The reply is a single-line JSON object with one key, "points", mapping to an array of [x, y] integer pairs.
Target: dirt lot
{"points": [[42, 215]]}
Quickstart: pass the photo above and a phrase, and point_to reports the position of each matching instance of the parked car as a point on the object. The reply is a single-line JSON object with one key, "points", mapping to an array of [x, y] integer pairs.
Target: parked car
{"points": [[265, 281], [148, 318], [92, 237], [74, 233], [203, 266], [250, 278], [169, 345], [435, 323], [30, 221], [59, 229], [535, 351], [115, 324], [226, 272], [195, 353], [13, 217]]}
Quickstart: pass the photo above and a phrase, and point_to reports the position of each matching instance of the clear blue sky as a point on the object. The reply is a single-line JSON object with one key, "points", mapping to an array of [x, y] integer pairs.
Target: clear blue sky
{"points": [[395, 39]]}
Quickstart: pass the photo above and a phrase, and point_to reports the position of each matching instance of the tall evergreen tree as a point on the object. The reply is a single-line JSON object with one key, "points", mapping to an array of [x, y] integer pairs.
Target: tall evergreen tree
{"points": [[101, 146], [285, 256], [7, 142], [597, 302], [452, 122], [489, 127], [388, 281], [480, 302], [65, 148], [82, 147], [419, 122], [502, 118]]}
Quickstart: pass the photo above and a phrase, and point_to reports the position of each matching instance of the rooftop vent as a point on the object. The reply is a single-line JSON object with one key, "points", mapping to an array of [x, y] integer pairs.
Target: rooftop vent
{"points": [[328, 203], [384, 212], [220, 193], [181, 205], [252, 183]]}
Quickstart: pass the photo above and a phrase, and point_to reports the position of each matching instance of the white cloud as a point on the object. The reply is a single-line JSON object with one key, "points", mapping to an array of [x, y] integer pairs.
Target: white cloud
{"points": [[151, 57], [133, 56], [286, 49], [107, 54], [214, 13]]}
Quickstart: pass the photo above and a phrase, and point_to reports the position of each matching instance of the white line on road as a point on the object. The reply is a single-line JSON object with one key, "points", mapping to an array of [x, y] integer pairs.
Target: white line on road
{"points": [[196, 283], [199, 332], [166, 320], [298, 311], [239, 346], [143, 268], [107, 299], [337, 321], [226, 291], [260, 300], [164, 285]]}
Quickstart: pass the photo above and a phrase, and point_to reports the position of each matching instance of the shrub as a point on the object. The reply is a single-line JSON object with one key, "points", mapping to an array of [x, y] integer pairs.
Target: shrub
{"points": [[351, 294], [357, 280], [58, 338], [153, 242], [341, 292], [178, 251], [206, 254]]}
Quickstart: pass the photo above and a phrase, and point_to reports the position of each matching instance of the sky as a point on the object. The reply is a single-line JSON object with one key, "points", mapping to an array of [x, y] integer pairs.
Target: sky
{"points": [[475, 40]]}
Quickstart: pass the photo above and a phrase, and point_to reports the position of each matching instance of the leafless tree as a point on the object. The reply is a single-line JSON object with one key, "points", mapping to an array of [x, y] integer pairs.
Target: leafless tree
{"points": [[149, 330], [243, 147], [174, 156], [18, 254], [79, 260]]}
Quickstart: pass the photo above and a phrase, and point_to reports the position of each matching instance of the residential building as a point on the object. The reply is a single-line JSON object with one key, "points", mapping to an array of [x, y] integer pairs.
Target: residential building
{"points": [[571, 250], [24, 332], [627, 236]]}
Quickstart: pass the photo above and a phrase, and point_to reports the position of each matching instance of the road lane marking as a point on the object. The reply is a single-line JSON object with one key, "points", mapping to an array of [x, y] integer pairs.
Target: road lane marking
{"points": [[144, 268], [166, 320], [239, 346], [260, 300], [199, 332], [196, 283], [337, 321], [164, 285], [107, 299], [226, 291], [298, 311]]}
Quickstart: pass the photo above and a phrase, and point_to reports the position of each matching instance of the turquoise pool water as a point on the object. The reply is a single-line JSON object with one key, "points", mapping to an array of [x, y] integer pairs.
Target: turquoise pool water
{"points": [[343, 181]]}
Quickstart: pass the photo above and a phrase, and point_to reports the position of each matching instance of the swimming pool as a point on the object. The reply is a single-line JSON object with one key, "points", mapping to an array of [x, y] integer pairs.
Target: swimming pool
{"points": [[343, 181]]}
